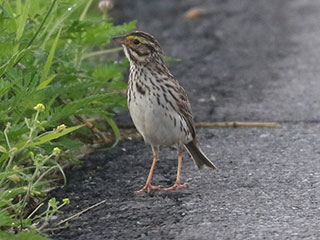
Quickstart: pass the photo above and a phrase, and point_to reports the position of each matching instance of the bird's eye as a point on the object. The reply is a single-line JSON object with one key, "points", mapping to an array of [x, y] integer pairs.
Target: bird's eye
{"points": [[136, 41]]}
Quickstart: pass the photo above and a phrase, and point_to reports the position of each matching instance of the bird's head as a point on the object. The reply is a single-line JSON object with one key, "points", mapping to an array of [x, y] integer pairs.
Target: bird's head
{"points": [[139, 47]]}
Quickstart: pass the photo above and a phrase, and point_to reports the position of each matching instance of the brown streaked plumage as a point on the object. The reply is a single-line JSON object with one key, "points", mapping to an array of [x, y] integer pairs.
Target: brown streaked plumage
{"points": [[158, 104]]}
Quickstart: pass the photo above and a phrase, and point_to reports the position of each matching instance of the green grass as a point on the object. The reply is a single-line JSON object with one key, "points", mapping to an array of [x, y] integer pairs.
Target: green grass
{"points": [[53, 66]]}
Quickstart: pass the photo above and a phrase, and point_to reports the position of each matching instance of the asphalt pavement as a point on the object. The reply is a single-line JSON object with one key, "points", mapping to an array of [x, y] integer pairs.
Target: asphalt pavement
{"points": [[245, 60]]}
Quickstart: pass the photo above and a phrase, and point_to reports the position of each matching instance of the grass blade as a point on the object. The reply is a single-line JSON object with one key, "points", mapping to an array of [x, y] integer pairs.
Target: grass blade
{"points": [[48, 137], [12, 61], [46, 82], [83, 14], [22, 19], [50, 29], [6, 174], [22, 236], [42, 23], [115, 129], [48, 63]]}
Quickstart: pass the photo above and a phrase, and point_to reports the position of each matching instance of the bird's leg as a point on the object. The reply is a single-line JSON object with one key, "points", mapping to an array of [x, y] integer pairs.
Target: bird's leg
{"points": [[148, 185], [177, 184]]}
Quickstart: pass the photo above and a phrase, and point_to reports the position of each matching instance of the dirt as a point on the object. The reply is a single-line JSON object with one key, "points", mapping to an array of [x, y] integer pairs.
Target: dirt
{"points": [[248, 60]]}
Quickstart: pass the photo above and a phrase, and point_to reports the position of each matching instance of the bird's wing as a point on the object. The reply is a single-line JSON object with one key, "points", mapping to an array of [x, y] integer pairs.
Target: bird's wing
{"points": [[185, 109], [181, 104]]}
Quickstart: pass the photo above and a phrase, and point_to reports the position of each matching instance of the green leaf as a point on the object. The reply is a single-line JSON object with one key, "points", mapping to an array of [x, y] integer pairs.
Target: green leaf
{"points": [[85, 10], [12, 61], [5, 12], [53, 202], [79, 105], [22, 19], [42, 24], [5, 219], [37, 65], [115, 129], [46, 82], [48, 137], [9, 194], [3, 159], [51, 28], [22, 236], [2, 149], [4, 88], [48, 63], [6, 174]]}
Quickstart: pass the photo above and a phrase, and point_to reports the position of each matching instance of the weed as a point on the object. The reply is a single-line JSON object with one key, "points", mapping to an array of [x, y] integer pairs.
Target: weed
{"points": [[54, 70]]}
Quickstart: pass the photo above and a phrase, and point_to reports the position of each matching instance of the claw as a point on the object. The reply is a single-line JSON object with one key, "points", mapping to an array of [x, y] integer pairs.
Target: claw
{"points": [[147, 188], [176, 186]]}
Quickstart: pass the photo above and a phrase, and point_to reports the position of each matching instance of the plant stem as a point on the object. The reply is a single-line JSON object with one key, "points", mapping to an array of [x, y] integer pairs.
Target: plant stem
{"points": [[12, 154], [5, 132], [85, 10], [38, 31], [42, 23], [43, 174]]}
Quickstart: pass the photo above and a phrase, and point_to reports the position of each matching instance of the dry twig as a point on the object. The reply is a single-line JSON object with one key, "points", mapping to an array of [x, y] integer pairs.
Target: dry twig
{"points": [[95, 130], [224, 125], [237, 124], [81, 212]]}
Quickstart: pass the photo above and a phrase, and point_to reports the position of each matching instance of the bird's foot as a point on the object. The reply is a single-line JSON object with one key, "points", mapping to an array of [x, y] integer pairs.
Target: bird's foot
{"points": [[147, 188], [176, 186]]}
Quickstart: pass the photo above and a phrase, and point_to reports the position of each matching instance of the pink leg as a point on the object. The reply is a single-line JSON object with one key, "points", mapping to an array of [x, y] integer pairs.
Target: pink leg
{"points": [[177, 184], [148, 185]]}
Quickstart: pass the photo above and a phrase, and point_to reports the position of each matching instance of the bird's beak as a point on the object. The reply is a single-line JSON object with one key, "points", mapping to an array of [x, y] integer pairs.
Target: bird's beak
{"points": [[120, 39]]}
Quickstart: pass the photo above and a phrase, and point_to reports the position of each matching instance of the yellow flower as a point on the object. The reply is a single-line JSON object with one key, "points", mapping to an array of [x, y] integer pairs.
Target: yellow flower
{"points": [[36, 193], [15, 168], [56, 151], [61, 128], [40, 107], [14, 178]]}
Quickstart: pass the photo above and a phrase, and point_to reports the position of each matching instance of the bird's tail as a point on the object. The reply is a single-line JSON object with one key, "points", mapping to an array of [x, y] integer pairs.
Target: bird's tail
{"points": [[198, 156]]}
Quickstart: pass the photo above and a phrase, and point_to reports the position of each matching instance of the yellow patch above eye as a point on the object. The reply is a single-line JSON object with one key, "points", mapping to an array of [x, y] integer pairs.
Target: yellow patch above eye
{"points": [[132, 38]]}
